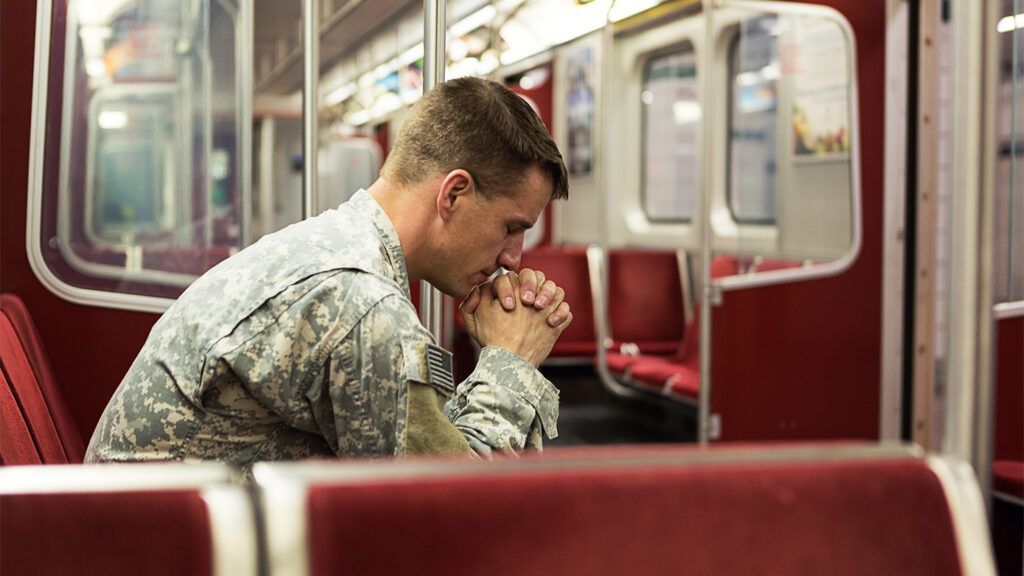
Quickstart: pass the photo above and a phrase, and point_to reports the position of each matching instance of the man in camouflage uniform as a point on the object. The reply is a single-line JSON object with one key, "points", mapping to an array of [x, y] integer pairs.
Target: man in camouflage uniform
{"points": [[307, 343]]}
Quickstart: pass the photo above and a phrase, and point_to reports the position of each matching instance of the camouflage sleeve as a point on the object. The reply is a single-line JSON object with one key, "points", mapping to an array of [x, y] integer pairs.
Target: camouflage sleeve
{"points": [[505, 405]]}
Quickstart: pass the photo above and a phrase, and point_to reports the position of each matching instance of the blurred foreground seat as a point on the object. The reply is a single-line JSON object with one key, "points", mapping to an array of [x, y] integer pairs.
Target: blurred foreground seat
{"points": [[820, 509], [150, 519]]}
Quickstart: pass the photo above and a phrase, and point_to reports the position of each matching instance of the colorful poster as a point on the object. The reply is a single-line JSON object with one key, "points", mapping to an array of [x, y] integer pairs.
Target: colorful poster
{"points": [[817, 62], [580, 110]]}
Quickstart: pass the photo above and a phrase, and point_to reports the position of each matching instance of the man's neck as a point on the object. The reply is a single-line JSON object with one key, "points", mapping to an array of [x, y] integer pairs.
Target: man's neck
{"points": [[410, 217]]}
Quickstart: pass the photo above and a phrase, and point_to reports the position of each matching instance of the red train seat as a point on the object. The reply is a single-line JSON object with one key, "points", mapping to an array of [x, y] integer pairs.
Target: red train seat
{"points": [[567, 267], [645, 300], [36, 426], [678, 375], [825, 509], [149, 519]]}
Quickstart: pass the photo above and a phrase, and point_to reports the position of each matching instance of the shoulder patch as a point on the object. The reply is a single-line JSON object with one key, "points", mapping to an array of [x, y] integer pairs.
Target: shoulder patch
{"points": [[439, 368], [429, 364]]}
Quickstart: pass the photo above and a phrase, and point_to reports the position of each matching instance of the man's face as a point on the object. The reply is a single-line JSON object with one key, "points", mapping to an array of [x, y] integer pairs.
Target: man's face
{"points": [[486, 233]]}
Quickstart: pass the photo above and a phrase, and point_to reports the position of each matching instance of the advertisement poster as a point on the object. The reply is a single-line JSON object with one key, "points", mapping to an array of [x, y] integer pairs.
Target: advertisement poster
{"points": [[817, 62], [581, 111]]}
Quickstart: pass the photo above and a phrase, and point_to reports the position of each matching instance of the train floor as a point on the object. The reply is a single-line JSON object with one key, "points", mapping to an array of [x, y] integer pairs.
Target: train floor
{"points": [[591, 415]]}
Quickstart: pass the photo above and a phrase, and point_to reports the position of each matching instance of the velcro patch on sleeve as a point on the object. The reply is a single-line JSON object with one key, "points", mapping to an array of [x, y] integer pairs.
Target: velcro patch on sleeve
{"points": [[439, 368], [429, 364]]}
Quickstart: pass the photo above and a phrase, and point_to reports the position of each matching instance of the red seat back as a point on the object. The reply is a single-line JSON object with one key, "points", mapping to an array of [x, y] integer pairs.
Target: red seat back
{"points": [[567, 267], [670, 511], [645, 299], [153, 533], [30, 400], [152, 519]]}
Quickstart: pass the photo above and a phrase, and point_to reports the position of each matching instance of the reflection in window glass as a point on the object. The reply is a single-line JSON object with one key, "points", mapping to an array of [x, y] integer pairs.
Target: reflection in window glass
{"points": [[149, 189], [671, 117], [1009, 228], [754, 73]]}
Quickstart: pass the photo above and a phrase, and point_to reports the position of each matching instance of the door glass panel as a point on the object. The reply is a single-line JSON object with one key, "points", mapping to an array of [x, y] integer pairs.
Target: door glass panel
{"points": [[1009, 191], [789, 190]]}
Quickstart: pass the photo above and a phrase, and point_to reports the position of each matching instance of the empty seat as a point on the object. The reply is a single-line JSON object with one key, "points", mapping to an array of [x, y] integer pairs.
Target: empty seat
{"points": [[645, 300], [678, 375], [36, 426], [830, 509], [567, 267], [125, 519]]}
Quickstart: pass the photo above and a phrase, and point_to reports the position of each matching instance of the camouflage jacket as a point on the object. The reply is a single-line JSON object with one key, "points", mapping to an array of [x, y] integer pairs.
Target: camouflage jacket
{"points": [[306, 343]]}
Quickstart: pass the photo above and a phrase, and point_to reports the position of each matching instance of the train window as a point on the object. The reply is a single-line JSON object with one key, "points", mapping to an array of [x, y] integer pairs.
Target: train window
{"points": [[142, 177], [754, 74], [1009, 192], [789, 192], [671, 116]]}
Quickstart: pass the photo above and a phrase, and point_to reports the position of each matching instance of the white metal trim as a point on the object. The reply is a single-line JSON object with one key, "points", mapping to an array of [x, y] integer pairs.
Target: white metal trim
{"points": [[894, 215], [273, 476], [284, 501], [310, 104], [844, 262], [967, 509], [1005, 310], [233, 530], [33, 228], [435, 32], [596, 271], [244, 48], [77, 478], [1007, 498]]}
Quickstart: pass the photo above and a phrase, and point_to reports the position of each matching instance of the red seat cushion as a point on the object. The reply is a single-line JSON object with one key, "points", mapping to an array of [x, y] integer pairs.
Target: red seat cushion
{"points": [[619, 363], [1008, 478], [666, 375]]}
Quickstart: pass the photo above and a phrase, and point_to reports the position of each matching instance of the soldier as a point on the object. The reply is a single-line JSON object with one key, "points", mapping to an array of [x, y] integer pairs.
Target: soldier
{"points": [[306, 343]]}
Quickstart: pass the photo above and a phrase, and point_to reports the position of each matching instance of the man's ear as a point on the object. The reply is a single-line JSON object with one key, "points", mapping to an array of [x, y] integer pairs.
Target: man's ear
{"points": [[457, 189]]}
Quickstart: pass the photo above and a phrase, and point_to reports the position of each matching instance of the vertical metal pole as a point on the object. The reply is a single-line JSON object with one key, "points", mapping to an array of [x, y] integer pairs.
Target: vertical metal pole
{"points": [[310, 102], [968, 424], [434, 29], [244, 41], [709, 292]]}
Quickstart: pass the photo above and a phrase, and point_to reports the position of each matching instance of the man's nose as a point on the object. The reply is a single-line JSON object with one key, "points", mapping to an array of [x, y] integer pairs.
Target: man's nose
{"points": [[511, 255]]}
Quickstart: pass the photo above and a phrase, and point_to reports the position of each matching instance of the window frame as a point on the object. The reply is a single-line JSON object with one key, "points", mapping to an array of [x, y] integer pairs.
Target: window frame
{"points": [[50, 132]]}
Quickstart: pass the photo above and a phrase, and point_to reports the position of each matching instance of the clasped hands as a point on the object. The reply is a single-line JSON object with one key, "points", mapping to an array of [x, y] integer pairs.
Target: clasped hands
{"points": [[523, 313]]}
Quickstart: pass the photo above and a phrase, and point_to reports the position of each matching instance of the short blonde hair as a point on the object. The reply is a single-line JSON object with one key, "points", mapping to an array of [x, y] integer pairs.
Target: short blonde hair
{"points": [[481, 127]]}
